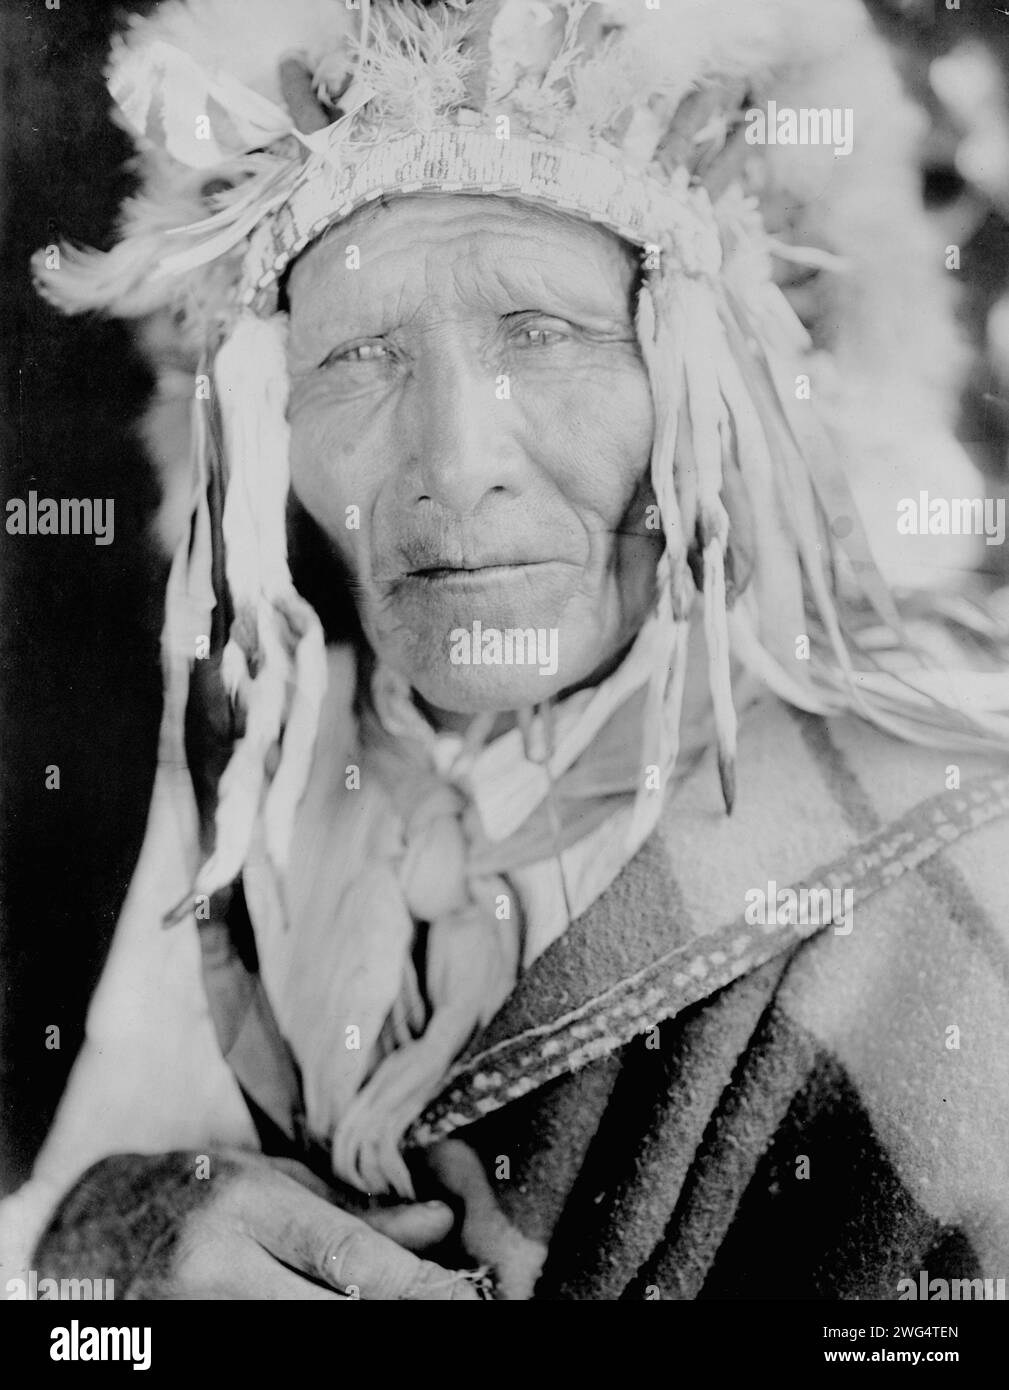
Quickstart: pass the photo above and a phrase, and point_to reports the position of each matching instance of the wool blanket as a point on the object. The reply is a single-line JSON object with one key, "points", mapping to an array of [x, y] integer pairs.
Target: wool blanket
{"points": [[677, 1102], [689, 1094]]}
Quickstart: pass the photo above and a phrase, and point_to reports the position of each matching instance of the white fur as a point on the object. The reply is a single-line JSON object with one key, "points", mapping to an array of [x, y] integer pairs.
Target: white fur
{"points": [[248, 38]]}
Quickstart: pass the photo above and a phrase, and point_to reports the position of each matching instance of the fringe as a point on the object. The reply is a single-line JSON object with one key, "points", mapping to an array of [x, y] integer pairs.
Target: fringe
{"points": [[276, 644]]}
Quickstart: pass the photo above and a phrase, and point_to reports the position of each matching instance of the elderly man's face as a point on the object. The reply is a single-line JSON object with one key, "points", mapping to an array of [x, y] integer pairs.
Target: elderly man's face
{"points": [[469, 381]]}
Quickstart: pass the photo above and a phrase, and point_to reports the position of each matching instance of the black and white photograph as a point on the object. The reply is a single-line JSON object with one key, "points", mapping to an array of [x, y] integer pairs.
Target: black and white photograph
{"points": [[505, 662]]}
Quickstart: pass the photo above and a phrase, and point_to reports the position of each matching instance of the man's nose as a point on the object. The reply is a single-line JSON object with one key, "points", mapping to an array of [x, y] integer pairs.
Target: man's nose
{"points": [[461, 419]]}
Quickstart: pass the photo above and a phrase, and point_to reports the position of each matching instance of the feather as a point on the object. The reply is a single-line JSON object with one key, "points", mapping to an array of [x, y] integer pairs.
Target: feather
{"points": [[291, 777], [707, 421], [778, 576], [719, 675], [754, 655], [251, 374], [244, 38], [240, 789], [662, 353], [832, 489], [80, 280], [414, 62], [200, 116]]}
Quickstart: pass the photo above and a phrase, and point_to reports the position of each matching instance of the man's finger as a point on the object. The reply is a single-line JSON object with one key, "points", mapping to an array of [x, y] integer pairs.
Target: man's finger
{"points": [[304, 1176], [233, 1267], [341, 1251], [413, 1225], [266, 1279]]}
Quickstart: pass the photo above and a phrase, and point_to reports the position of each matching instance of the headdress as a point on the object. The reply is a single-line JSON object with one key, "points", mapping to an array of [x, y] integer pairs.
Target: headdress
{"points": [[259, 125]]}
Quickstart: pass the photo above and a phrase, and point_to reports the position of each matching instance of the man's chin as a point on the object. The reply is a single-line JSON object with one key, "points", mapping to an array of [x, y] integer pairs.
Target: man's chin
{"points": [[478, 690]]}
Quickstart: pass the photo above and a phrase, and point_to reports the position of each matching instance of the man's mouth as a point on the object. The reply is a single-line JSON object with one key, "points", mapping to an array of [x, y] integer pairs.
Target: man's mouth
{"points": [[492, 574], [504, 593], [491, 570]]}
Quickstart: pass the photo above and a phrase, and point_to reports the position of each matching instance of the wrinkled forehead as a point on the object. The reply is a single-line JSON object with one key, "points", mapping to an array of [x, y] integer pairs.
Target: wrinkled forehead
{"points": [[492, 250]]}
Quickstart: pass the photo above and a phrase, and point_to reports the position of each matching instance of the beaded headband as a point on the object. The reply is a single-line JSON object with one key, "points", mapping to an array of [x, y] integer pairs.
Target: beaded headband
{"points": [[460, 159]]}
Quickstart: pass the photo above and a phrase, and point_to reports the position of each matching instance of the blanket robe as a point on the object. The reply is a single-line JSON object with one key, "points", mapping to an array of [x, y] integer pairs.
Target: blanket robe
{"points": [[674, 1103]]}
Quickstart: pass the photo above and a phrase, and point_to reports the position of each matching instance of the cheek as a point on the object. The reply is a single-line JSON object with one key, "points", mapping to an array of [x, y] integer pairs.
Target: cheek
{"points": [[328, 474], [594, 435]]}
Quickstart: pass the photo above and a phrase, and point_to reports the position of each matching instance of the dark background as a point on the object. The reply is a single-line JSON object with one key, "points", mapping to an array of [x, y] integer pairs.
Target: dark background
{"points": [[81, 682], [79, 638]]}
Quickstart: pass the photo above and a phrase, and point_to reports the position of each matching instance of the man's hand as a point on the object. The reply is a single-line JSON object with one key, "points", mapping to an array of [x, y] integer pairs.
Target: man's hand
{"points": [[252, 1229]]}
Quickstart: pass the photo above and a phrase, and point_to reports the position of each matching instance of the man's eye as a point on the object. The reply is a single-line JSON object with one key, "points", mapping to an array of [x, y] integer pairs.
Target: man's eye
{"points": [[537, 330], [541, 337], [359, 352]]}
